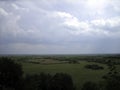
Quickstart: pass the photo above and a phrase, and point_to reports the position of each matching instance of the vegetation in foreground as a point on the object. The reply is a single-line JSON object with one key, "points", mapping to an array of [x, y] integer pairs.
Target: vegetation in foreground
{"points": [[11, 78], [53, 81]]}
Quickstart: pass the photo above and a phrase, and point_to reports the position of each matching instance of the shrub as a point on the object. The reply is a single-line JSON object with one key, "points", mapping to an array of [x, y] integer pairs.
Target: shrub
{"points": [[94, 67], [90, 86], [59, 81], [10, 74]]}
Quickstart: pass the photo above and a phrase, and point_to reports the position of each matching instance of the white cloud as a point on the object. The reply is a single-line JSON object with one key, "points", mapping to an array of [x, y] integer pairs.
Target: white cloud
{"points": [[72, 23], [95, 27], [111, 22], [15, 6], [65, 26], [69, 20], [3, 12]]}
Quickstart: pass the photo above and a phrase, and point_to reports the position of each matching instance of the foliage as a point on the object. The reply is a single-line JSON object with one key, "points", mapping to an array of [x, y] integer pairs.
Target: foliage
{"points": [[77, 71], [94, 67], [61, 81], [112, 78], [10, 73], [43, 81], [90, 86], [11, 79], [74, 61], [37, 82]]}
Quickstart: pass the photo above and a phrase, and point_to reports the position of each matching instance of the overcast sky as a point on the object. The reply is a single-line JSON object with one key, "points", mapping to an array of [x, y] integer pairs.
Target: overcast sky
{"points": [[59, 26]]}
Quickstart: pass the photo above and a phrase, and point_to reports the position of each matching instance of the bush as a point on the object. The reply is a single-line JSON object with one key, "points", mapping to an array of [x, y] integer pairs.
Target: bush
{"points": [[94, 67], [73, 61], [90, 86], [59, 81], [11, 79], [112, 78], [37, 82], [10, 74]]}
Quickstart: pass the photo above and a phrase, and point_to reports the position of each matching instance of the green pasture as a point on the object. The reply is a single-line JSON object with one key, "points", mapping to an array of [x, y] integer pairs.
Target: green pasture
{"points": [[77, 71]]}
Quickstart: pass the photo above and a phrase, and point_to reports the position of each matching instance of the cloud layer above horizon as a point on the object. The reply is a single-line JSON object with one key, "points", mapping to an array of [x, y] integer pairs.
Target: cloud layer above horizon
{"points": [[59, 26]]}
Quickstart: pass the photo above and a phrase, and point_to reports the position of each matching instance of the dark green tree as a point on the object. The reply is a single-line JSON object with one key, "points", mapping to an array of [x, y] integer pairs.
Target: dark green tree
{"points": [[61, 81], [90, 86], [94, 67], [45, 81], [112, 78], [10, 74], [37, 82]]}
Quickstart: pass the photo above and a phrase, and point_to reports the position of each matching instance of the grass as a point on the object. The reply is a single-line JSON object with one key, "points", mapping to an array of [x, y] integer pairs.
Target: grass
{"points": [[77, 71], [34, 64]]}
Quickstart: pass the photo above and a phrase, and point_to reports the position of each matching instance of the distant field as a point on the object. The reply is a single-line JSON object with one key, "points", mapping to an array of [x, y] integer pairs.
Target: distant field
{"points": [[77, 71], [70, 64]]}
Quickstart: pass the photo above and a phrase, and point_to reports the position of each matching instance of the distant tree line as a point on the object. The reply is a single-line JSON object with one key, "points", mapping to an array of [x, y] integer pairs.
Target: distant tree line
{"points": [[90, 58], [104, 59]]}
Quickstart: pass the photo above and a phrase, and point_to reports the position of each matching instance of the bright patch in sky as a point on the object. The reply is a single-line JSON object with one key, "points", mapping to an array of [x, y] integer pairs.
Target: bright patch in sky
{"points": [[59, 26], [96, 4]]}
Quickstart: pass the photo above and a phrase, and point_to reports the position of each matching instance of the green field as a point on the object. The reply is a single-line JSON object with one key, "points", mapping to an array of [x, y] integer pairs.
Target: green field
{"points": [[74, 65], [78, 72]]}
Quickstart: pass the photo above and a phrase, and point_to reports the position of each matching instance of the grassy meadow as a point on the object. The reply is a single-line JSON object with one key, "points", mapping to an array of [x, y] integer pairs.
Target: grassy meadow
{"points": [[70, 64], [77, 71]]}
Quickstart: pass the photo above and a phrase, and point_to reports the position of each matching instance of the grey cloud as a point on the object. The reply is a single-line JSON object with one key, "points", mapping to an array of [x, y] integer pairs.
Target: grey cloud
{"points": [[58, 27], [9, 0]]}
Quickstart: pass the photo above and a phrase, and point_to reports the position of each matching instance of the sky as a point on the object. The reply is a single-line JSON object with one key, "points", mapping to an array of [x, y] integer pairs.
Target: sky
{"points": [[59, 26]]}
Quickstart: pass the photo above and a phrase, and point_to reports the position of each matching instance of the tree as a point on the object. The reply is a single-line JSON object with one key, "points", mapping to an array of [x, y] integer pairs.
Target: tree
{"points": [[10, 74], [90, 86], [37, 82], [74, 61], [45, 81], [61, 81], [94, 67], [112, 78]]}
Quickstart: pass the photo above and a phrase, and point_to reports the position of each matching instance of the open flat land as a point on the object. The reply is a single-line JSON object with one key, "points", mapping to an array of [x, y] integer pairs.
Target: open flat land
{"points": [[77, 71], [72, 65]]}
